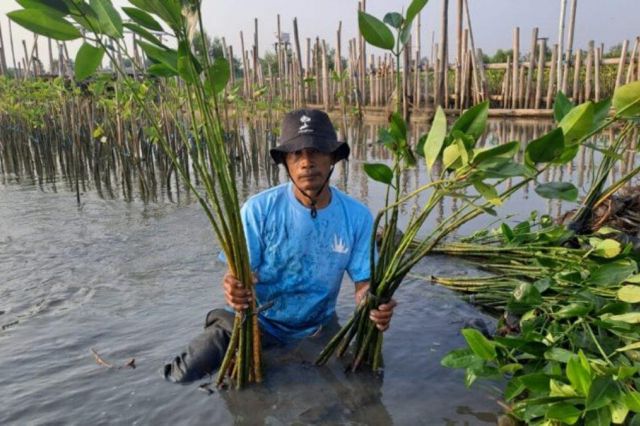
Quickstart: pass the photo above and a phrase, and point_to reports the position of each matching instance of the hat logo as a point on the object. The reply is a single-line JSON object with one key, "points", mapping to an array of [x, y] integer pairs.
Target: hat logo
{"points": [[304, 128]]}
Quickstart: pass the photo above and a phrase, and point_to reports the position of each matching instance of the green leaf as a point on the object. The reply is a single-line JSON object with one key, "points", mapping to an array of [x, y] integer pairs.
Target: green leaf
{"points": [[137, 29], [393, 19], [558, 354], [48, 25], [88, 59], [546, 148], [563, 412], [561, 106], [577, 123], [626, 99], [374, 31], [607, 248], [578, 375], [599, 417], [633, 279], [513, 389], [629, 318], [84, 15], [602, 391], [503, 151], [167, 57], [461, 358], [558, 190], [435, 138], [525, 297], [161, 70], [632, 399], [479, 344], [574, 310], [536, 382], [629, 293], [170, 11], [109, 18], [220, 74], [56, 7], [450, 155], [142, 18], [473, 121], [379, 172], [613, 273], [619, 411], [601, 111], [488, 192], [557, 388], [414, 8], [188, 66]]}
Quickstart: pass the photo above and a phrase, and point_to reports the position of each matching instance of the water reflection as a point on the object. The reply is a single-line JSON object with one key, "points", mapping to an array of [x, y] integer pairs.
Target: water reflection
{"points": [[53, 165]]}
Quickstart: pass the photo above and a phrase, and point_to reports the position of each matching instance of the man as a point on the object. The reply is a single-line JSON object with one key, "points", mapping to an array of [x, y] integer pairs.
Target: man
{"points": [[302, 237]]}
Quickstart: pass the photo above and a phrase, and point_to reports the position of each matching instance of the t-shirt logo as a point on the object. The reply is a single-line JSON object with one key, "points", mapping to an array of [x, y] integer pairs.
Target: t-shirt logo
{"points": [[339, 245], [304, 128]]}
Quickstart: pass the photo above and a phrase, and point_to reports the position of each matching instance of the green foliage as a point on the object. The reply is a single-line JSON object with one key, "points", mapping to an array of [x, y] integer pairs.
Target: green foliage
{"points": [[626, 100], [379, 172], [88, 59], [374, 31], [46, 24], [558, 190]]}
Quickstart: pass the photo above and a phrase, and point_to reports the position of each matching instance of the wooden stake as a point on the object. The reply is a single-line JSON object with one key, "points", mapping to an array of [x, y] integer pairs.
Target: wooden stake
{"points": [[540, 74], [567, 64], [299, 61], [632, 59], [532, 63], [621, 63], [576, 77], [596, 77], [443, 70], [516, 68], [589, 72], [563, 7], [459, 50], [552, 76]]}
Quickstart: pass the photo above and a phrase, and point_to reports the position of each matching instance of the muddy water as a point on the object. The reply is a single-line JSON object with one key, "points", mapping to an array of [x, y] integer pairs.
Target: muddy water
{"points": [[134, 280]]}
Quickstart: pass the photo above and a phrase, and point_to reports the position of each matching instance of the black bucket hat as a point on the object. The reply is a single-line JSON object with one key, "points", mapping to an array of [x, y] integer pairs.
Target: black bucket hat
{"points": [[308, 128]]}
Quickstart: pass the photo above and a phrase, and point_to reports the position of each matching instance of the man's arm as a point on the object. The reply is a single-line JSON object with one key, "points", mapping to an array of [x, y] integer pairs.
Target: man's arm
{"points": [[381, 316]]}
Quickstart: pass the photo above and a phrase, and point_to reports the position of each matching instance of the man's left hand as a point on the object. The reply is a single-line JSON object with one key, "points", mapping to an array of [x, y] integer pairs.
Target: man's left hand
{"points": [[382, 316]]}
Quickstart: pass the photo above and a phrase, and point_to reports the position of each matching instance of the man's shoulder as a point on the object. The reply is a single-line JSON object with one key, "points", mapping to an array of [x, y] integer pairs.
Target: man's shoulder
{"points": [[351, 204], [266, 197]]}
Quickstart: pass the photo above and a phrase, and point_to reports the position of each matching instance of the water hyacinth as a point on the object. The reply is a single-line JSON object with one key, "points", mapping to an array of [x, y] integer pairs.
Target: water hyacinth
{"points": [[104, 29]]}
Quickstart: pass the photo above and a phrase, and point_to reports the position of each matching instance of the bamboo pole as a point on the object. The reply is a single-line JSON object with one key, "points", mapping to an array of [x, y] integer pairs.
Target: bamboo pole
{"points": [[588, 72], [3, 59], [576, 77], [299, 61], [459, 52], [443, 69], [532, 63], [417, 81], [632, 59], [13, 54], [540, 75], [256, 55], [516, 68], [307, 71], [477, 58], [245, 68], [567, 64], [552, 76], [596, 76], [621, 63], [325, 79], [563, 7]]}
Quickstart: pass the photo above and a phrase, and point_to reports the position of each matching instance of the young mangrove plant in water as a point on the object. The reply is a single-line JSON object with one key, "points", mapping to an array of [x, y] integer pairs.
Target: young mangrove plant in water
{"points": [[568, 342], [470, 174], [103, 30]]}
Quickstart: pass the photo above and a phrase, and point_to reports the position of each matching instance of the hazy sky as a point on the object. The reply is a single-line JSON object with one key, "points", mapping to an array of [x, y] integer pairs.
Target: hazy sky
{"points": [[604, 21]]}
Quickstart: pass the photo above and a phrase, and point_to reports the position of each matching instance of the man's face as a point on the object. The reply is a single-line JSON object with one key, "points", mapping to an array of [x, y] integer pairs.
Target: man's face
{"points": [[309, 168]]}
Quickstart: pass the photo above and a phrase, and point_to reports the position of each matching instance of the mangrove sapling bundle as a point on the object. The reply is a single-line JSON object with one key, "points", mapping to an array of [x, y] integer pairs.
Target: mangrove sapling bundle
{"points": [[203, 83], [463, 167]]}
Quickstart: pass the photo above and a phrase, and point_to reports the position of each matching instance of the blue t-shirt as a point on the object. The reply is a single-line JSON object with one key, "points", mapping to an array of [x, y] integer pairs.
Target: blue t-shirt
{"points": [[300, 261]]}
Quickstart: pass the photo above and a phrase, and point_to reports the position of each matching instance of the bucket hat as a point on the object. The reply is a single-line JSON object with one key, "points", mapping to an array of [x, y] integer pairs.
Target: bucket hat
{"points": [[308, 128]]}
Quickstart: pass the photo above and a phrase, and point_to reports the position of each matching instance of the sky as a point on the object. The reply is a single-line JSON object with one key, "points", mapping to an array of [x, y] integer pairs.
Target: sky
{"points": [[604, 21]]}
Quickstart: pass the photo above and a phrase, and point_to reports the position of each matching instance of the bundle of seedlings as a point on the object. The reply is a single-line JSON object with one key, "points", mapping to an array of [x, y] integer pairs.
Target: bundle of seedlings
{"points": [[568, 340], [474, 176], [102, 29]]}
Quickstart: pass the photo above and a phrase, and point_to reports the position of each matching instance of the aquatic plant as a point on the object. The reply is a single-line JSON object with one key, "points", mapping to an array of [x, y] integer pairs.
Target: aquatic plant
{"points": [[103, 29], [471, 175]]}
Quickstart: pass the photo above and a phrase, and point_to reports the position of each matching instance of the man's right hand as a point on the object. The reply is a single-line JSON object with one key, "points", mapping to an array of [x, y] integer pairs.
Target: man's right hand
{"points": [[235, 293]]}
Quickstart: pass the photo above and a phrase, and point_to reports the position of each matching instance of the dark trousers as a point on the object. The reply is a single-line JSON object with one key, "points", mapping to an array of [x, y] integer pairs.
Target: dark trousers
{"points": [[205, 352]]}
